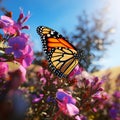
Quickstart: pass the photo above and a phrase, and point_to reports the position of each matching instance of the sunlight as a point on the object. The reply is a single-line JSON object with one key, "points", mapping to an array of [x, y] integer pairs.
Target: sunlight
{"points": [[114, 11]]}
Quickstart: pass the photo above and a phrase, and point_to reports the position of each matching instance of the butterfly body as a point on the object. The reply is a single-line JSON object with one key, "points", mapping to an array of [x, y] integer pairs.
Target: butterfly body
{"points": [[62, 56]]}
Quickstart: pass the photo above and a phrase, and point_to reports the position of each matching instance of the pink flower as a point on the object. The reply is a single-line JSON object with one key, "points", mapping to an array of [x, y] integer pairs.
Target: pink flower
{"points": [[77, 70], [77, 118], [5, 22], [100, 96], [43, 80], [66, 103], [68, 108], [27, 57], [12, 27], [44, 73], [3, 69], [22, 19]]}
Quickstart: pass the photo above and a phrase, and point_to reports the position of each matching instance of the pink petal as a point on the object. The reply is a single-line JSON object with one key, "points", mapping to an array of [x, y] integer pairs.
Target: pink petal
{"points": [[23, 70], [7, 19], [77, 118], [72, 109]]}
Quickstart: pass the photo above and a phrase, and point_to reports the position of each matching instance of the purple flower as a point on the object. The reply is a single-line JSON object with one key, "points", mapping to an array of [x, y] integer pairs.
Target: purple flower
{"points": [[3, 69], [22, 52], [62, 96], [17, 44], [66, 103]]}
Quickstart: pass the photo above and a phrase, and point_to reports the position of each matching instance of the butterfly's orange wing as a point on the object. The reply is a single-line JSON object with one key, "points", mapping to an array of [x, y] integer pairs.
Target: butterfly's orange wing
{"points": [[52, 39]]}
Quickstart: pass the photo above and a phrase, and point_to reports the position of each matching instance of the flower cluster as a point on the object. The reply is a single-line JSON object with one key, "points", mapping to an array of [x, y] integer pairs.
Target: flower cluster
{"points": [[88, 95], [15, 43], [64, 98], [12, 27], [15, 49]]}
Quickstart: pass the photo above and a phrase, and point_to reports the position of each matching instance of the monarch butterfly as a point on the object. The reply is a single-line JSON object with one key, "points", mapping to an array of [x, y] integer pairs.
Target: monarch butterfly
{"points": [[62, 56]]}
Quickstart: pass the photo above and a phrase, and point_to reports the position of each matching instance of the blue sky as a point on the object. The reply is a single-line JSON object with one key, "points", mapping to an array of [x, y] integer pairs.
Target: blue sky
{"points": [[60, 14]]}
